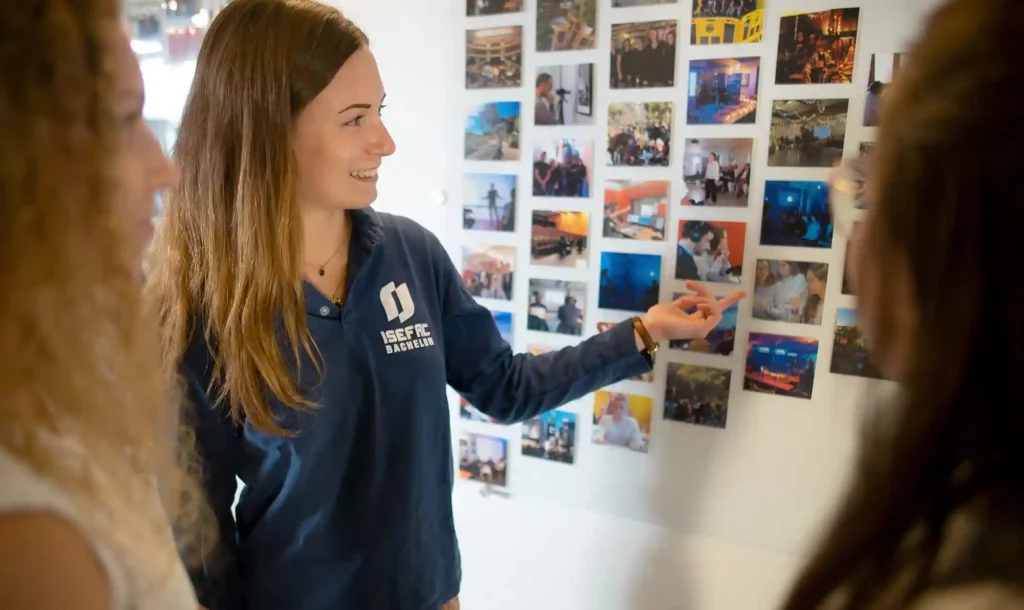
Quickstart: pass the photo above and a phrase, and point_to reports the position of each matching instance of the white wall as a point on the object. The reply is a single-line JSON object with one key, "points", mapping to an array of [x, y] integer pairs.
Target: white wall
{"points": [[707, 511]]}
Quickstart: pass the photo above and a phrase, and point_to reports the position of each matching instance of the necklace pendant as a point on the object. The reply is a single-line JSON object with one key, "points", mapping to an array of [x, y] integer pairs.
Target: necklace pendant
{"points": [[320, 271]]}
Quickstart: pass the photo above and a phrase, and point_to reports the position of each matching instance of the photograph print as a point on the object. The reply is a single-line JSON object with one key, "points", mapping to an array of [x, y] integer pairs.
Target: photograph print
{"points": [[629, 282], [639, 134], [796, 214], [487, 270], [559, 239], [847, 287], [471, 413], [716, 171], [566, 25], [494, 58], [807, 133], [562, 168], [817, 48], [643, 55], [635, 209], [634, 3], [622, 420], [480, 8], [492, 132], [723, 91], [721, 341], [489, 202], [564, 95], [483, 458], [726, 21], [646, 376], [780, 364], [697, 394], [551, 436], [849, 352], [503, 321], [710, 251], [556, 306], [789, 291], [884, 67]]}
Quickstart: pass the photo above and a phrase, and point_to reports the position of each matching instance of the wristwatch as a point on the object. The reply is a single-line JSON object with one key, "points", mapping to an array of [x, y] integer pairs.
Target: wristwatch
{"points": [[650, 347]]}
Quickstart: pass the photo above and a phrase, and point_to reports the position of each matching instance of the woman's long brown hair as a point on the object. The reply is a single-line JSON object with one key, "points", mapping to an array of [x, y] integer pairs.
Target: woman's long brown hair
{"points": [[948, 206], [82, 389], [227, 251]]}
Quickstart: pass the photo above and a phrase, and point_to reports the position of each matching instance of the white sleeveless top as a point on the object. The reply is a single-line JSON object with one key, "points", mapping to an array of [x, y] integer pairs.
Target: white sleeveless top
{"points": [[132, 585]]}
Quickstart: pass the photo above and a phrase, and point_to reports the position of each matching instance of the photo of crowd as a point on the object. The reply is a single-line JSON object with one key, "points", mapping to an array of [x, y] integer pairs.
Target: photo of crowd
{"points": [[643, 55], [817, 48], [559, 239], [564, 95], [479, 8], [562, 168], [723, 91], [492, 132], [710, 251], [726, 21], [483, 458], [551, 436], [622, 420], [566, 25], [471, 413], [639, 134], [697, 394], [782, 365], [849, 353], [629, 282], [796, 213], [720, 342], [716, 171], [489, 202], [789, 291], [646, 377], [884, 67], [636, 209], [487, 271], [807, 133], [557, 306], [494, 58]]}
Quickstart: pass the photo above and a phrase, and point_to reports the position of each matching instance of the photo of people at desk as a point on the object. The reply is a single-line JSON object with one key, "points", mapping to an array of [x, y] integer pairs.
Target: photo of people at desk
{"points": [[636, 209], [817, 48], [622, 420], [710, 251]]}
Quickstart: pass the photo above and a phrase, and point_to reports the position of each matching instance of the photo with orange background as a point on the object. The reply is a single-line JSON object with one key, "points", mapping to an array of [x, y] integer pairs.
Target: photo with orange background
{"points": [[737, 232], [640, 407]]}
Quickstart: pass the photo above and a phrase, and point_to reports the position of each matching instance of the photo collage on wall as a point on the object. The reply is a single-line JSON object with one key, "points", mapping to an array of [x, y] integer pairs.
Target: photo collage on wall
{"points": [[685, 151]]}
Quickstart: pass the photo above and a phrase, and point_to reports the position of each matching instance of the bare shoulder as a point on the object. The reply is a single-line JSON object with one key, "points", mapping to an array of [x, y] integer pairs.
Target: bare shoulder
{"points": [[47, 563], [976, 597]]}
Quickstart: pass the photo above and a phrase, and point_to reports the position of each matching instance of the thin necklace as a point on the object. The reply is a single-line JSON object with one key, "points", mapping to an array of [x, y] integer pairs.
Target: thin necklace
{"points": [[320, 269]]}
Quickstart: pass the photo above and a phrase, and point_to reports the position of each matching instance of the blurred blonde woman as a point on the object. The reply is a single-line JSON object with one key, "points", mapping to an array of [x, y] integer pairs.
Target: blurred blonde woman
{"points": [[86, 430]]}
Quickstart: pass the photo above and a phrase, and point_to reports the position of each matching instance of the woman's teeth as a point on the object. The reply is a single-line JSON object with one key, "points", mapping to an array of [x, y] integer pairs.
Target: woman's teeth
{"points": [[365, 174]]}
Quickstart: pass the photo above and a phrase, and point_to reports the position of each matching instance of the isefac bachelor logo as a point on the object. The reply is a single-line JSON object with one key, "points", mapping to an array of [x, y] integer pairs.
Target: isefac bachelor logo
{"points": [[398, 305]]}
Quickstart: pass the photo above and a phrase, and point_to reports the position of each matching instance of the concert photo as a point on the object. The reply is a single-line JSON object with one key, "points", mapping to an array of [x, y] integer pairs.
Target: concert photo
{"points": [[643, 55], [492, 132], [817, 48], [629, 282], [550, 436], [789, 291], [622, 420], [697, 394], [556, 306], [566, 25], [807, 133], [720, 342], [471, 413], [562, 168], [645, 377], [796, 213], [560, 239], [716, 171], [483, 458], [780, 364], [489, 202], [494, 58], [726, 21], [636, 209], [884, 67], [710, 251], [564, 95], [723, 91], [639, 134], [480, 8], [849, 353], [487, 271]]}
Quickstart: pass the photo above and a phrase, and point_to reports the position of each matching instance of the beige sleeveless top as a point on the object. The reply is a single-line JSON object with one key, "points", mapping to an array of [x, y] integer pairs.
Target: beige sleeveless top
{"points": [[132, 585]]}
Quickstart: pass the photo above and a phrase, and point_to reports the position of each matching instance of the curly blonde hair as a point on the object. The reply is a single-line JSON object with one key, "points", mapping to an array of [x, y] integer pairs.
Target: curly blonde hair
{"points": [[83, 395]]}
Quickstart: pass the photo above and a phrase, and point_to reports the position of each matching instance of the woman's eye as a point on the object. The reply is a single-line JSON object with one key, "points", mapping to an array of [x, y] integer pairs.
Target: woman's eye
{"points": [[356, 122]]}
